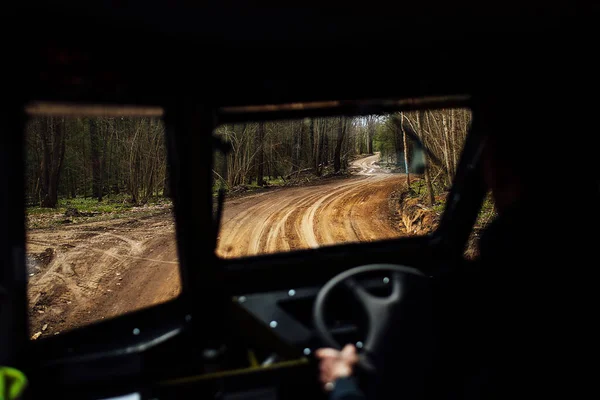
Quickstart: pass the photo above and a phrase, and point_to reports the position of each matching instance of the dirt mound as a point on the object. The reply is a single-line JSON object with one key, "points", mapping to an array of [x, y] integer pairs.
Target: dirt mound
{"points": [[412, 216], [38, 261]]}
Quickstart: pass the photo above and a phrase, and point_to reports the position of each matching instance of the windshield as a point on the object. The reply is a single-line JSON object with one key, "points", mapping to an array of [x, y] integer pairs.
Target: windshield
{"points": [[315, 182], [100, 227]]}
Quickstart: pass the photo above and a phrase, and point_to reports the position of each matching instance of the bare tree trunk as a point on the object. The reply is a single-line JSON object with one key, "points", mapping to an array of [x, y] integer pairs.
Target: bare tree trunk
{"points": [[454, 140], [134, 167], [321, 132], [167, 180], [370, 134], [337, 162], [317, 146], [431, 197], [53, 142], [325, 148], [361, 141], [84, 166], [260, 134], [248, 163], [96, 164], [269, 162], [72, 184], [405, 151], [45, 128], [297, 145], [109, 172], [103, 161], [398, 140], [446, 139], [311, 143]]}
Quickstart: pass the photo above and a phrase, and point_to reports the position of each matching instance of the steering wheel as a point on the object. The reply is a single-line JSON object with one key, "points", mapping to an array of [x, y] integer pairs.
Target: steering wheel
{"points": [[379, 309]]}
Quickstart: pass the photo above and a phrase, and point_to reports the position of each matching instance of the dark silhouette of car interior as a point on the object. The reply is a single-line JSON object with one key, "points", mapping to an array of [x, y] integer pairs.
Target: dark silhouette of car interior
{"points": [[222, 62]]}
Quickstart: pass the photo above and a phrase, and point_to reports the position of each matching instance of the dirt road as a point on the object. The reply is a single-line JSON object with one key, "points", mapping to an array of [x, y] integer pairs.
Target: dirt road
{"points": [[345, 210], [81, 273]]}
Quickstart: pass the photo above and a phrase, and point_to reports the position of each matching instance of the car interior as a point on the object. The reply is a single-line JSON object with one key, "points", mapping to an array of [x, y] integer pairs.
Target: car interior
{"points": [[246, 327]]}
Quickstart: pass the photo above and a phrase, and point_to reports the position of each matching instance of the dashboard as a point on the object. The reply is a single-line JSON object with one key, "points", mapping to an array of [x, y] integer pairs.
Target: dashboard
{"points": [[285, 317]]}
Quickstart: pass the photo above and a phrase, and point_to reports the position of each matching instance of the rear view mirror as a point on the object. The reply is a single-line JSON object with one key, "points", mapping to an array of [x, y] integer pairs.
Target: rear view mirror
{"points": [[398, 134], [418, 162]]}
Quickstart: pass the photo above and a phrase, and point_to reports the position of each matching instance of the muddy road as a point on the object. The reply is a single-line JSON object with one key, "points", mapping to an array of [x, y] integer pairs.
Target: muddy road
{"points": [[345, 210], [86, 272]]}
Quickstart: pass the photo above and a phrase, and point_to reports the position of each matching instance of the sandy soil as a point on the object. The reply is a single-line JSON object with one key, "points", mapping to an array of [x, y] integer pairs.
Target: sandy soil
{"points": [[87, 272]]}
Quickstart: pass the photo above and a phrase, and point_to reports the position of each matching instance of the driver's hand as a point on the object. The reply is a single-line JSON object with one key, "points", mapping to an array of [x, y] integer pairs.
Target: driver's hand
{"points": [[336, 364]]}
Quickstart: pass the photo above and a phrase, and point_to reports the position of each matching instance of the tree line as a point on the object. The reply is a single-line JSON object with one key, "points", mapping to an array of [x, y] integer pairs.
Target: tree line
{"points": [[442, 132], [94, 157], [104, 156], [280, 149]]}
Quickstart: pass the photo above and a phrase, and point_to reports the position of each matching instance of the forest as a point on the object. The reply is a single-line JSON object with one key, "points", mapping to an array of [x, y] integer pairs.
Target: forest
{"points": [[95, 158], [276, 151], [125, 157]]}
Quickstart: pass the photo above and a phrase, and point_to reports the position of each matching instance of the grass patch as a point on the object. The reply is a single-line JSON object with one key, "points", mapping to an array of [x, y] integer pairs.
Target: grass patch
{"points": [[111, 207], [418, 189], [36, 210], [87, 205], [487, 213], [417, 186], [276, 182], [439, 207], [109, 204]]}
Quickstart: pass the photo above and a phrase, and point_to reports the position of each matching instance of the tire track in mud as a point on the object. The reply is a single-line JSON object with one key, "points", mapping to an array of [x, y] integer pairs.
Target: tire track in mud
{"points": [[279, 232], [100, 269]]}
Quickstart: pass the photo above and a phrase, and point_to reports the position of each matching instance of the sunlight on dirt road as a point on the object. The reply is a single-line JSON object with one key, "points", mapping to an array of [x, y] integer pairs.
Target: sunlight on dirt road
{"points": [[344, 210], [82, 273]]}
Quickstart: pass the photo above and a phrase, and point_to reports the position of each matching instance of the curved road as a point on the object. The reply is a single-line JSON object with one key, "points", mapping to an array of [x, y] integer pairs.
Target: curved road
{"points": [[348, 210]]}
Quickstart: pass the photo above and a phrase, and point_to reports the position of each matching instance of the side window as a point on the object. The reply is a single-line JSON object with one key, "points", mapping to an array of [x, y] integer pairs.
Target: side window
{"points": [[100, 228]]}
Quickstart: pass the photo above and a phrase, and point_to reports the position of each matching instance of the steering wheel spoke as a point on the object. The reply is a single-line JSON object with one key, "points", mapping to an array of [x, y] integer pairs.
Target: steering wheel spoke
{"points": [[379, 310], [397, 284], [358, 291]]}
